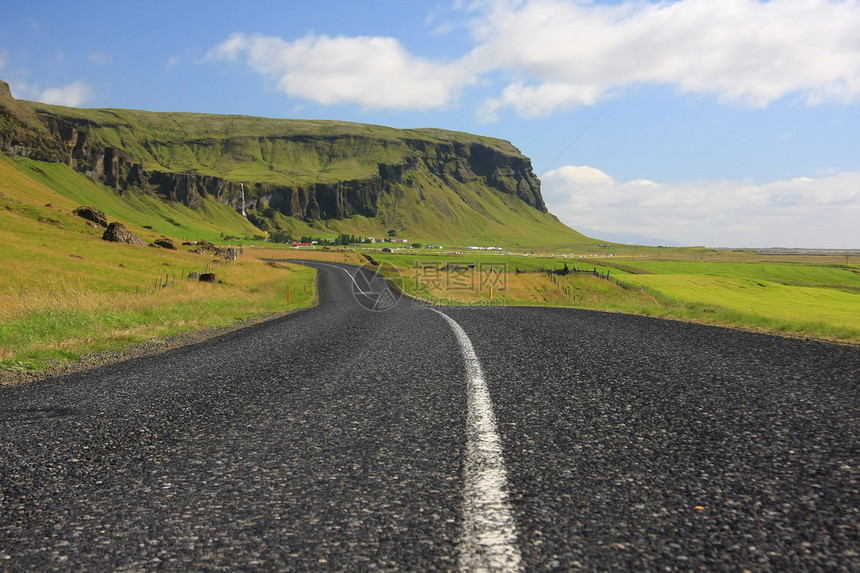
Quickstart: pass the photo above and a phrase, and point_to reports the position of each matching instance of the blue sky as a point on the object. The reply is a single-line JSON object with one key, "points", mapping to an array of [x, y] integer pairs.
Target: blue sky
{"points": [[731, 123]]}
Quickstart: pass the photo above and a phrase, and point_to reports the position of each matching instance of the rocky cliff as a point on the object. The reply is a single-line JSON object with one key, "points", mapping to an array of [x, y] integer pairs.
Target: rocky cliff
{"points": [[308, 170], [22, 132]]}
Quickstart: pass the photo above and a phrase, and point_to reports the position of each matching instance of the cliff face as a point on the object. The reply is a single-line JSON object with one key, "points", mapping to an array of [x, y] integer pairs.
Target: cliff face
{"points": [[22, 131], [335, 173]]}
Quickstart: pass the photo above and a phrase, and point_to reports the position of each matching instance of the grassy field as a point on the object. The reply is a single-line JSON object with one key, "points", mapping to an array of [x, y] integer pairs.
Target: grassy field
{"points": [[805, 299], [65, 292], [794, 298]]}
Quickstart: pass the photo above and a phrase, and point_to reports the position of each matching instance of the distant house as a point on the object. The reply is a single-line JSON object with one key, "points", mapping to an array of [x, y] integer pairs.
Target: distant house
{"points": [[302, 245]]}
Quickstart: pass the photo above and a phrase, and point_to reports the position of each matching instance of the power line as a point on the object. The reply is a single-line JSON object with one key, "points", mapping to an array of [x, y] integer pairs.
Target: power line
{"points": [[575, 139]]}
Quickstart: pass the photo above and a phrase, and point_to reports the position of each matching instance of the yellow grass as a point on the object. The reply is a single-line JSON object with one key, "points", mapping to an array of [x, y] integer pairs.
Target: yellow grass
{"points": [[481, 287], [66, 316]]}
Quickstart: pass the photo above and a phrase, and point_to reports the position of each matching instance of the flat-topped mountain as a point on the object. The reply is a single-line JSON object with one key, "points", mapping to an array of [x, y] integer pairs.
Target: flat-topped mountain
{"points": [[429, 184]]}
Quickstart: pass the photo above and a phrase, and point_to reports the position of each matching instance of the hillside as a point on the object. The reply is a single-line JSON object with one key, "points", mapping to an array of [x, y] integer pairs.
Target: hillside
{"points": [[299, 177]]}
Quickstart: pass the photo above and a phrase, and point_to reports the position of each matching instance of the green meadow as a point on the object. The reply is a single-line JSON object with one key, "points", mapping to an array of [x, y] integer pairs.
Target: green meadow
{"points": [[820, 300], [785, 297]]}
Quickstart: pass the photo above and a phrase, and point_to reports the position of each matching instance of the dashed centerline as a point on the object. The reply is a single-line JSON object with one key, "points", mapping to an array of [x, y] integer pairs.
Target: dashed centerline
{"points": [[489, 537]]}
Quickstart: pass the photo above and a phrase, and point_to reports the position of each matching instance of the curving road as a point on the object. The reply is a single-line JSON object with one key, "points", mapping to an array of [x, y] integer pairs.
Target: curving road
{"points": [[345, 438]]}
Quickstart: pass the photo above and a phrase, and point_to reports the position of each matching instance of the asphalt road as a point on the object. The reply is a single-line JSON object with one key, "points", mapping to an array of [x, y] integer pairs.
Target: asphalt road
{"points": [[345, 438]]}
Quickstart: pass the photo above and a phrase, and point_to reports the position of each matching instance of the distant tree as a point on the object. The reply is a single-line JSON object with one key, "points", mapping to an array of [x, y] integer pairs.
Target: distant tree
{"points": [[416, 245], [281, 237], [392, 233], [344, 239]]}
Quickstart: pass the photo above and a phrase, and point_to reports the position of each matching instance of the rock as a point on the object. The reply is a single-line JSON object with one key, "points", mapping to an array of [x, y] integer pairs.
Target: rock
{"points": [[117, 233], [91, 214], [228, 253], [165, 243], [208, 278], [194, 275]]}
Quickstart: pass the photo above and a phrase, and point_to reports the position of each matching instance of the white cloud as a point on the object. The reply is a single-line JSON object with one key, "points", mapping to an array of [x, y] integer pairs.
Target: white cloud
{"points": [[172, 62], [100, 58], [553, 55], [374, 72], [561, 54], [801, 212], [537, 101], [75, 94]]}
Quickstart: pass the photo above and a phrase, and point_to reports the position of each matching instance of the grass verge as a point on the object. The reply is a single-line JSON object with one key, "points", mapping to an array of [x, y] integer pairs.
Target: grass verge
{"points": [[42, 327]]}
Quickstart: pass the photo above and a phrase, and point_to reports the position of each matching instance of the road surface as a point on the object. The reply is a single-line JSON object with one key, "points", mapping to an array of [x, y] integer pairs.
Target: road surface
{"points": [[368, 435]]}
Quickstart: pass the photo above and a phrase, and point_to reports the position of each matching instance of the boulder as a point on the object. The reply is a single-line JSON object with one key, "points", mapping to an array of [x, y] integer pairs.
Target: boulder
{"points": [[117, 233], [165, 243], [91, 214], [208, 278], [228, 253]]}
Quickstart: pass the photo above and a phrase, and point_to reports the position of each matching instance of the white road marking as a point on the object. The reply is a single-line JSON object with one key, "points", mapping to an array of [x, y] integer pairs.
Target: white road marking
{"points": [[360, 291], [489, 538]]}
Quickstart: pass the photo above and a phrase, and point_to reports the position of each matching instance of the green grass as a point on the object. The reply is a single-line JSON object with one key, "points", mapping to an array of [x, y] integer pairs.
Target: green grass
{"points": [[821, 301], [65, 292], [72, 327], [428, 210], [243, 148], [791, 297], [829, 307], [799, 274]]}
